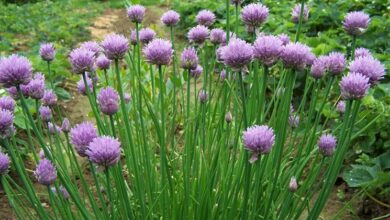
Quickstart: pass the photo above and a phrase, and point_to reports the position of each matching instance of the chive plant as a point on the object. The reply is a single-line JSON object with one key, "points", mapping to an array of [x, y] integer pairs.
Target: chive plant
{"points": [[236, 147]]}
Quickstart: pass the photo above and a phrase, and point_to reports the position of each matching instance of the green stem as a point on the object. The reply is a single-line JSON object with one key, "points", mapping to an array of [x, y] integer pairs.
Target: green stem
{"points": [[300, 20]]}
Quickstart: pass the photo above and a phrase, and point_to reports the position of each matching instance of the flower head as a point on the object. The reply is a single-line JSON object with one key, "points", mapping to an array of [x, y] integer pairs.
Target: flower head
{"points": [[133, 37], [45, 113], [6, 124], [82, 60], [267, 49], [293, 120], [356, 22], [7, 103], [197, 71], [236, 2], [102, 62], [64, 193], [259, 139], [228, 117], [369, 67], [81, 135], [36, 87], [222, 75], [293, 185], [296, 12], [108, 100], [189, 58], [127, 98], [45, 172], [362, 52], [319, 67], [65, 127], [237, 54], [198, 34], [49, 98], [202, 96], [13, 92], [354, 86], [53, 128], [158, 52], [81, 86], [115, 46], [92, 46], [47, 52], [327, 144], [136, 13], [15, 70], [336, 63], [284, 38], [217, 36], [254, 14], [170, 18], [205, 17], [296, 55], [146, 35], [340, 107], [4, 163], [104, 151]]}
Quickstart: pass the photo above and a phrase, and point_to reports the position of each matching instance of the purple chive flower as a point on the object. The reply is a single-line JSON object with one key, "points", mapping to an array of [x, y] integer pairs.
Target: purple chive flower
{"points": [[42, 154], [81, 86], [189, 58], [319, 67], [284, 38], [127, 97], [296, 55], [336, 63], [12, 92], [53, 128], [258, 140], [205, 17], [341, 107], [36, 87], [15, 70], [158, 52], [4, 163], [82, 60], [133, 37], [217, 36], [7, 103], [170, 18], [6, 124], [293, 185], [222, 75], [45, 113], [92, 46], [47, 52], [136, 13], [49, 98], [115, 46], [369, 67], [146, 35], [228, 117], [104, 151], [202, 96], [81, 135], [45, 172], [362, 52], [108, 100], [267, 49], [65, 127], [296, 12], [354, 86], [254, 14], [198, 34], [218, 53], [327, 144], [356, 22], [63, 191], [237, 54], [197, 72], [102, 62], [293, 121]]}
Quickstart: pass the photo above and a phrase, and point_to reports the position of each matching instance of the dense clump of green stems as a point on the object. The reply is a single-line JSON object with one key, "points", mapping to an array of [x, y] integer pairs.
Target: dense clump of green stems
{"points": [[192, 163]]}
